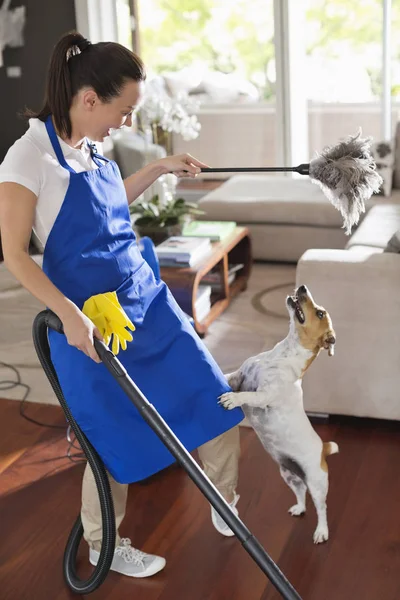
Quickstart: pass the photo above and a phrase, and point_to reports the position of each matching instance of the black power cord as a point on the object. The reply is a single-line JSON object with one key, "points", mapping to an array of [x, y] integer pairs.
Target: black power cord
{"points": [[11, 384]]}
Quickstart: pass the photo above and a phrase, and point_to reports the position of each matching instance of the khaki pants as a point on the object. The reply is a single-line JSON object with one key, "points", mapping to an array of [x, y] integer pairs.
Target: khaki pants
{"points": [[220, 459]]}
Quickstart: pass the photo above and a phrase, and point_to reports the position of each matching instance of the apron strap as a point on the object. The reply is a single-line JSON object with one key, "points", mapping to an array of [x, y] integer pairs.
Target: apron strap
{"points": [[59, 153], [56, 144], [96, 157]]}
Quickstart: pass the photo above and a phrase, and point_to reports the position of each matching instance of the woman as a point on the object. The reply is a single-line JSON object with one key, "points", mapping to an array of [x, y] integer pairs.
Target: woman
{"points": [[77, 203]]}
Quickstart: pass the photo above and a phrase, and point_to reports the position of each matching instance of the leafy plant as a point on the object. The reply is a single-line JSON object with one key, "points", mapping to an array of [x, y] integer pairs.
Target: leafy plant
{"points": [[153, 214]]}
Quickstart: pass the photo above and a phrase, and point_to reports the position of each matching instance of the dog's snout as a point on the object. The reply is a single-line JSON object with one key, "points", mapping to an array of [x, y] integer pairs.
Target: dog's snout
{"points": [[331, 339], [302, 290]]}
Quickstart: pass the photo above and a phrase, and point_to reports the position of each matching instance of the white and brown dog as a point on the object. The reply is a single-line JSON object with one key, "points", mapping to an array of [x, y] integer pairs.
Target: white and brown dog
{"points": [[268, 387]]}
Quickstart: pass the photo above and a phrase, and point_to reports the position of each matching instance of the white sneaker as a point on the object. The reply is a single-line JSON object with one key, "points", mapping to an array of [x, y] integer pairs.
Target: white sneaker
{"points": [[218, 521], [131, 562]]}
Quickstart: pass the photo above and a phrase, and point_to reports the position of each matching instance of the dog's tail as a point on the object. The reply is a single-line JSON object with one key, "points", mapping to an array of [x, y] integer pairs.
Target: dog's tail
{"points": [[330, 448]]}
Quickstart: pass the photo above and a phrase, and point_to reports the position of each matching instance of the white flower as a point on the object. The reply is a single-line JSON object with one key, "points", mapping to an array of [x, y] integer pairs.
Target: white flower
{"points": [[173, 114]]}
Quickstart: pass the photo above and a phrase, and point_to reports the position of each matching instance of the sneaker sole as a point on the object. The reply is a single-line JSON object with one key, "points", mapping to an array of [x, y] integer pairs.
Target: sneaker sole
{"points": [[148, 573], [226, 532]]}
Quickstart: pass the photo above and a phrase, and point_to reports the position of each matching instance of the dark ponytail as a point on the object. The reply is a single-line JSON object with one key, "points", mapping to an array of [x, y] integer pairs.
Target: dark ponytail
{"points": [[77, 63]]}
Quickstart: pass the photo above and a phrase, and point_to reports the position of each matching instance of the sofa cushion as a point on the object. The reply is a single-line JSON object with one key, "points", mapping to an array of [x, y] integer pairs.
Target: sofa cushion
{"points": [[366, 250], [267, 199], [393, 244], [381, 222]]}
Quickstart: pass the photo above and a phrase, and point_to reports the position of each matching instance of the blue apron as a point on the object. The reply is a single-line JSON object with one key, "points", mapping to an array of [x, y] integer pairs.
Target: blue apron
{"points": [[90, 250]]}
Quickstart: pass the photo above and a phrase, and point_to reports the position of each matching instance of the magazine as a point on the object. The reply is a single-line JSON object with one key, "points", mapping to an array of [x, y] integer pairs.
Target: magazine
{"points": [[214, 277], [214, 230], [180, 250]]}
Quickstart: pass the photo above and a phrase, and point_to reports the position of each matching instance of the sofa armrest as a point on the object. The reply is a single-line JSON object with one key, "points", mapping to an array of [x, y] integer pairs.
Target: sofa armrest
{"points": [[353, 271], [354, 286], [361, 291]]}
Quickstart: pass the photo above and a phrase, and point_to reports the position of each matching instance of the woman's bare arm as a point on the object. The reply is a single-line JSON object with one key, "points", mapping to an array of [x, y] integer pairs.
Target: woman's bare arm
{"points": [[181, 165], [17, 209]]}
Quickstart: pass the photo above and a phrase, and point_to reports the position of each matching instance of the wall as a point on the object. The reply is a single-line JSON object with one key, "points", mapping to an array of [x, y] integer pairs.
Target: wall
{"points": [[46, 21], [246, 135]]}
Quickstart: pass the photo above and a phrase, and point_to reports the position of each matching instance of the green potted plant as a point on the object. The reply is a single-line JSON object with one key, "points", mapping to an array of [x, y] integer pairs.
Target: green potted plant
{"points": [[161, 221]]}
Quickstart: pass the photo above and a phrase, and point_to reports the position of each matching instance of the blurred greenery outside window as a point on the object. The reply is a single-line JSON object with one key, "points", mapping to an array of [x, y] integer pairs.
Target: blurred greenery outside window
{"points": [[344, 43]]}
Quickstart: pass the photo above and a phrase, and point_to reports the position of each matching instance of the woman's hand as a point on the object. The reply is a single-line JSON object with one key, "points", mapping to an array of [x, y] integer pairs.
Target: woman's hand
{"points": [[79, 331], [181, 165]]}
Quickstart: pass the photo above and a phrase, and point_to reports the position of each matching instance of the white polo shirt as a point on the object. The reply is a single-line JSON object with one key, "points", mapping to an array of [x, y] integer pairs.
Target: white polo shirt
{"points": [[32, 162]]}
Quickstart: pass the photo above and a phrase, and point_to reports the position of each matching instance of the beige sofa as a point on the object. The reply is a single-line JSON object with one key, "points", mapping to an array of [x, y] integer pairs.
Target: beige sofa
{"points": [[360, 287], [285, 216]]}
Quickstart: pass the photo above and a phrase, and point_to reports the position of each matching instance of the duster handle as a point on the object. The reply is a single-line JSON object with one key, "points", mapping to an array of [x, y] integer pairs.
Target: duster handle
{"points": [[303, 169]]}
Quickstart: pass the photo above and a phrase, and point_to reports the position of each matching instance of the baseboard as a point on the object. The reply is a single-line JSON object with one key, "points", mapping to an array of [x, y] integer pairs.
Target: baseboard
{"points": [[313, 416], [318, 417]]}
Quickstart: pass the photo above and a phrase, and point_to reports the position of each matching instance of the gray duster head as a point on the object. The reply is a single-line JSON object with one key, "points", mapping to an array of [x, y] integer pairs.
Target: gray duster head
{"points": [[348, 177]]}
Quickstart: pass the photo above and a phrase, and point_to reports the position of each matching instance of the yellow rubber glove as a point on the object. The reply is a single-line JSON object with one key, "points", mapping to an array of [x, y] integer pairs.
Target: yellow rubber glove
{"points": [[105, 311]]}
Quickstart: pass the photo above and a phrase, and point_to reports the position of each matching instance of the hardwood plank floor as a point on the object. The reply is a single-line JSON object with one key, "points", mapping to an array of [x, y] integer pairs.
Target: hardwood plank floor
{"points": [[40, 498]]}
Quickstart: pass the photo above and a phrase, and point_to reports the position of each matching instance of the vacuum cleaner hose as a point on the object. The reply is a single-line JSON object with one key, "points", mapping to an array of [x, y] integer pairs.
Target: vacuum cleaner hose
{"points": [[42, 322], [47, 319]]}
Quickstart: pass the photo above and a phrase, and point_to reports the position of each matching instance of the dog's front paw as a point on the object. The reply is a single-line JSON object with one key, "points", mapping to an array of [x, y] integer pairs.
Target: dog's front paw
{"points": [[297, 510], [321, 535], [229, 400]]}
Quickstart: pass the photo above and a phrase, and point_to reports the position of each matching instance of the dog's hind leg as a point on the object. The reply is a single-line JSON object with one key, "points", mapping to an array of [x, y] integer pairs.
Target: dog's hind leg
{"points": [[317, 485], [299, 489], [234, 380]]}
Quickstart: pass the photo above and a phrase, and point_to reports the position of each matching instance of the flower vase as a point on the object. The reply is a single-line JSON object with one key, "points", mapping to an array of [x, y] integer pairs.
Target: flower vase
{"points": [[162, 138], [158, 234]]}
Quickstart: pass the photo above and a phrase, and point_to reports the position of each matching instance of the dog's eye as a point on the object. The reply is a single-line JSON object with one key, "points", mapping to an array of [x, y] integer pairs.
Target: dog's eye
{"points": [[320, 314]]}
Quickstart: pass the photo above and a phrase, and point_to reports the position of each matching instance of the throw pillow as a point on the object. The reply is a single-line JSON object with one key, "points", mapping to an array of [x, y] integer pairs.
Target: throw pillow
{"points": [[393, 244], [383, 153]]}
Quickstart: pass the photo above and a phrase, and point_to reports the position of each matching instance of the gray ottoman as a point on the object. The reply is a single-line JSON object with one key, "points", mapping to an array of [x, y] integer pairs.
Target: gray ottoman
{"points": [[285, 216]]}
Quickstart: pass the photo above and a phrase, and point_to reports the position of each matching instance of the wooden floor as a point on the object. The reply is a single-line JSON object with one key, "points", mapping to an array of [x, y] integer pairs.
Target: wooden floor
{"points": [[40, 498]]}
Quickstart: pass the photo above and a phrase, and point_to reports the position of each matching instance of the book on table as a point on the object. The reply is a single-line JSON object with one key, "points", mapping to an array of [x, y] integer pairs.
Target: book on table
{"points": [[182, 251], [214, 277], [214, 230], [203, 301]]}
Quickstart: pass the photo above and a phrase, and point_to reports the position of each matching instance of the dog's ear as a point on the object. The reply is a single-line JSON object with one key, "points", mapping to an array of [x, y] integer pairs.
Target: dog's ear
{"points": [[329, 342]]}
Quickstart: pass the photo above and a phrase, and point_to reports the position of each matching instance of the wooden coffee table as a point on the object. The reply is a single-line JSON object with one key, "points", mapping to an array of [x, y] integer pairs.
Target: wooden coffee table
{"points": [[184, 281]]}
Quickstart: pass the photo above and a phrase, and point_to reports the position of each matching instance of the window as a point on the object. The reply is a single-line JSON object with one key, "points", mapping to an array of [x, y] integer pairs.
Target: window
{"points": [[224, 48], [395, 53], [124, 23], [222, 53], [343, 69]]}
